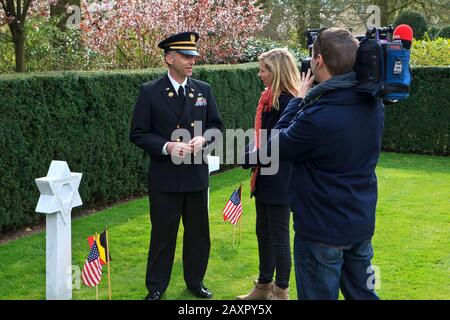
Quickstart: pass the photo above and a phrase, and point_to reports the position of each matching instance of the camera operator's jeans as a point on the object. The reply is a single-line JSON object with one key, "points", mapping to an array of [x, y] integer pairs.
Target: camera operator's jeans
{"points": [[322, 269]]}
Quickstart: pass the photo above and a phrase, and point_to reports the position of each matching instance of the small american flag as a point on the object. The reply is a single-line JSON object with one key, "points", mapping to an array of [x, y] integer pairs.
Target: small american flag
{"points": [[233, 210], [92, 270]]}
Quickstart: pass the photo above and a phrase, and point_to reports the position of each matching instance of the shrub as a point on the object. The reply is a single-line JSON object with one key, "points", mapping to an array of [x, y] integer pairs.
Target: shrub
{"points": [[432, 33], [415, 19], [7, 64], [256, 46], [430, 52], [48, 48], [444, 33], [420, 124], [84, 118]]}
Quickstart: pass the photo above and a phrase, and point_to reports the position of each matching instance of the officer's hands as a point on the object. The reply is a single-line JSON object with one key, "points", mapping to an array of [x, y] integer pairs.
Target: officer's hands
{"points": [[178, 149], [306, 83], [196, 144]]}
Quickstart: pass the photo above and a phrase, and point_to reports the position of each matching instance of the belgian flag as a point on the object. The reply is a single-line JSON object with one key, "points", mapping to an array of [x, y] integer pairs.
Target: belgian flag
{"points": [[102, 246]]}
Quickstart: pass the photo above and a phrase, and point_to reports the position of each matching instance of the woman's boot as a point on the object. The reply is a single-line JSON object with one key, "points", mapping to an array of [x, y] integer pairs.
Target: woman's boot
{"points": [[260, 292], [280, 294]]}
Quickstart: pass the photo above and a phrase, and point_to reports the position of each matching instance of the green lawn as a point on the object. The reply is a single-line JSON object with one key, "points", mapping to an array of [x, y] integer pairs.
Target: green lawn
{"points": [[412, 240]]}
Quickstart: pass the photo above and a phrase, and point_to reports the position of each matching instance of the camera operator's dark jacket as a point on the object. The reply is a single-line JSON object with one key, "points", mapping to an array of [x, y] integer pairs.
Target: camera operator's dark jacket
{"points": [[334, 143]]}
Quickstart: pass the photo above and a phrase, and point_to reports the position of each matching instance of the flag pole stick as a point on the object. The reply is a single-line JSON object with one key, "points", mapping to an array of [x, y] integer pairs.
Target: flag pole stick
{"points": [[240, 229], [240, 219], [96, 237], [109, 262], [234, 234]]}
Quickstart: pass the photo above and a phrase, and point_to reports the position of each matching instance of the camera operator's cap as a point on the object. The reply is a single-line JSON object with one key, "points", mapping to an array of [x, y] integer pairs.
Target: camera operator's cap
{"points": [[184, 42]]}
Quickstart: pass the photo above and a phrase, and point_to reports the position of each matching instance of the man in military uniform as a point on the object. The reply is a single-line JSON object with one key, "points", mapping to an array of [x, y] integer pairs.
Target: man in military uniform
{"points": [[173, 102]]}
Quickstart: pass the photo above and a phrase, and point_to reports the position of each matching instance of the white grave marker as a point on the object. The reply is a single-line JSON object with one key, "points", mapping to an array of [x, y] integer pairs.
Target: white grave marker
{"points": [[213, 165], [59, 194]]}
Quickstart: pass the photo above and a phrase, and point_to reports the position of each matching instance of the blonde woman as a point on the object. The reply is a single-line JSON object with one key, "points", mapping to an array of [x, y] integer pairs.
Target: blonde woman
{"points": [[279, 73]]}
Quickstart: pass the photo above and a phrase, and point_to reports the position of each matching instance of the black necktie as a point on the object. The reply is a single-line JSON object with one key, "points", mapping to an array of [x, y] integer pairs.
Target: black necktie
{"points": [[181, 95]]}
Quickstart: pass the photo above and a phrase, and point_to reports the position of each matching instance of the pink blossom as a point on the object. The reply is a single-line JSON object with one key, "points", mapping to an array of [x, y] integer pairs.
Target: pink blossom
{"points": [[127, 32]]}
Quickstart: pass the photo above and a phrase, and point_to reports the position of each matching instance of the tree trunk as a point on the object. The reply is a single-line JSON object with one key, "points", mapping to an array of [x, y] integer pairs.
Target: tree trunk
{"points": [[19, 48], [386, 14], [18, 35], [301, 9], [314, 15]]}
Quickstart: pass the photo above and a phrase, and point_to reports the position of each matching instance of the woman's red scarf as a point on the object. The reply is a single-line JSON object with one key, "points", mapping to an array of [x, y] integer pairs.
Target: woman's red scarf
{"points": [[264, 105]]}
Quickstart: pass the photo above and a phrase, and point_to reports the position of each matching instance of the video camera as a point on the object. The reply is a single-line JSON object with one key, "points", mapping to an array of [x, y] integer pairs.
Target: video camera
{"points": [[382, 62], [311, 36]]}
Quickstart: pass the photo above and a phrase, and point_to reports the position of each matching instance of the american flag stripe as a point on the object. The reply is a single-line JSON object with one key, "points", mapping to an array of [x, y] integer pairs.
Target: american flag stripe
{"points": [[91, 277], [230, 212], [229, 208], [92, 270], [92, 273], [236, 217], [233, 214], [86, 280], [233, 209]]}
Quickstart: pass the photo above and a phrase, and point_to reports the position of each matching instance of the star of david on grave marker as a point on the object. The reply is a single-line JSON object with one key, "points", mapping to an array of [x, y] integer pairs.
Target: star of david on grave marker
{"points": [[59, 190]]}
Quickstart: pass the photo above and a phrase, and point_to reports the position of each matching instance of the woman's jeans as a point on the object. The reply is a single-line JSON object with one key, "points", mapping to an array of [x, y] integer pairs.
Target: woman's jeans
{"points": [[272, 230], [322, 269]]}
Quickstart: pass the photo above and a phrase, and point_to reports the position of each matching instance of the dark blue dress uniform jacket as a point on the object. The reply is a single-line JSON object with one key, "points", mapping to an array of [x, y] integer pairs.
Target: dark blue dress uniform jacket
{"points": [[334, 145], [157, 114]]}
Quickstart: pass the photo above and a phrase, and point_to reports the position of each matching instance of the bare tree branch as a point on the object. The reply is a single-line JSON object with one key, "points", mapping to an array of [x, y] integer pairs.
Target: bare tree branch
{"points": [[26, 7]]}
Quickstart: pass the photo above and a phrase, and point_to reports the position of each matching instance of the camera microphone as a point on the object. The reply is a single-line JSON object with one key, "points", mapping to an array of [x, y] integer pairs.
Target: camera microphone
{"points": [[404, 33]]}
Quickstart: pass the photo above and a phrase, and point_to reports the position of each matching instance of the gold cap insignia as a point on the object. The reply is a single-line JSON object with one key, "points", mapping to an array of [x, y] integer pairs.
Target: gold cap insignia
{"points": [[192, 38]]}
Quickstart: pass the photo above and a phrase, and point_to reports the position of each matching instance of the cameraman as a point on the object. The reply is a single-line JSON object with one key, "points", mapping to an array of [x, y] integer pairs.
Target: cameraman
{"points": [[332, 134]]}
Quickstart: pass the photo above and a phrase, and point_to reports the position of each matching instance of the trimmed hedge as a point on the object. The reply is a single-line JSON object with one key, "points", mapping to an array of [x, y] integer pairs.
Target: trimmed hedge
{"points": [[421, 124], [84, 118]]}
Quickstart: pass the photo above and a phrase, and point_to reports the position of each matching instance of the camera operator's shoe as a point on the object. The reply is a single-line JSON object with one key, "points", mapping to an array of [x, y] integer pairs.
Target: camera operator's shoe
{"points": [[280, 294], [260, 292]]}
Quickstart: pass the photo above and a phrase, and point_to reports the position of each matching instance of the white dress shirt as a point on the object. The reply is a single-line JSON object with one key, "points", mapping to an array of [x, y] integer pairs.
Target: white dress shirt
{"points": [[176, 86]]}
